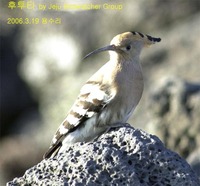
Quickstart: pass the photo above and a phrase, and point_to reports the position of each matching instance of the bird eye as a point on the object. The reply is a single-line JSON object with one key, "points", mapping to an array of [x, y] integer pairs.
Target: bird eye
{"points": [[128, 47]]}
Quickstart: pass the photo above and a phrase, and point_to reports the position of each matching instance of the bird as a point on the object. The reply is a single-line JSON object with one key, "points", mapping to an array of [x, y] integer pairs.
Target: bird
{"points": [[108, 97]]}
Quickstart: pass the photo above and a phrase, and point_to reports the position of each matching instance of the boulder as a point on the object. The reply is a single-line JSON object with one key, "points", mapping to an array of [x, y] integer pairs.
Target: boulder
{"points": [[175, 115], [122, 156]]}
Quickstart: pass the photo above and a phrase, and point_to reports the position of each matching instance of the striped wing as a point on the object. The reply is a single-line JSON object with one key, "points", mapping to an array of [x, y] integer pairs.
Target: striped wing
{"points": [[92, 99]]}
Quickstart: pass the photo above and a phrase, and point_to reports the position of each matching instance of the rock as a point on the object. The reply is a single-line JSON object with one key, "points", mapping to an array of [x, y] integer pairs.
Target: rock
{"points": [[175, 114], [194, 161], [123, 156]]}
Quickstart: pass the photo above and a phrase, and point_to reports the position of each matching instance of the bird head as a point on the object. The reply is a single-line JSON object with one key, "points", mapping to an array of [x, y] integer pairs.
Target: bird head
{"points": [[127, 44]]}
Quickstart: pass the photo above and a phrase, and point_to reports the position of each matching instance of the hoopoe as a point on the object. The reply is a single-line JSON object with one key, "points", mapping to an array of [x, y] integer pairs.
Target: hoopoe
{"points": [[109, 96]]}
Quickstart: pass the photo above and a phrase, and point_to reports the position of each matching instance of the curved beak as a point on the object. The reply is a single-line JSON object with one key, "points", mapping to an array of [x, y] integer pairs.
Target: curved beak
{"points": [[106, 48]]}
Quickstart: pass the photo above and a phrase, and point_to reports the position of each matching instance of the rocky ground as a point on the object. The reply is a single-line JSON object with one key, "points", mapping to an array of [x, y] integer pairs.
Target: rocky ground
{"points": [[42, 72]]}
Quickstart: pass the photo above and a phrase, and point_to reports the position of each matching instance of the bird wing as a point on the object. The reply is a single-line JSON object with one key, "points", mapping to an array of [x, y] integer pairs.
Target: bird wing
{"points": [[92, 99]]}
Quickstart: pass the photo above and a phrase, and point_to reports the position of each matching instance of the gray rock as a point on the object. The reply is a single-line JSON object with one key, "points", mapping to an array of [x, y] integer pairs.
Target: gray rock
{"points": [[194, 161], [175, 114], [123, 156]]}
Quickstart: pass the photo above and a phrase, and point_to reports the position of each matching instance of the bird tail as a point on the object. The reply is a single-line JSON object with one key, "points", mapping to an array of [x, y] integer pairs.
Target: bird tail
{"points": [[53, 150]]}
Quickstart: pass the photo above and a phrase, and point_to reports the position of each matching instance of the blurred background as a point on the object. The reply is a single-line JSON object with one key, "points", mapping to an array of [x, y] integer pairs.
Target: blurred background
{"points": [[42, 72]]}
